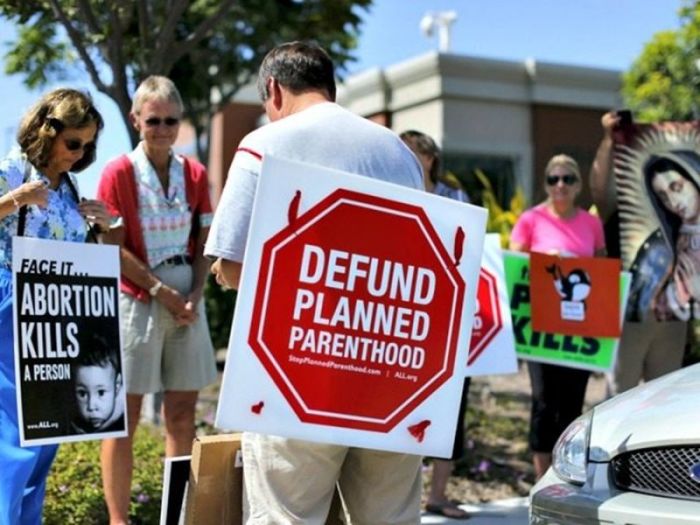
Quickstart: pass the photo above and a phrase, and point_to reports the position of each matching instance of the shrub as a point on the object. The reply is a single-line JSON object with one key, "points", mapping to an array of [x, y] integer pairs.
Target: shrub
{"points": [[74, 489], [219, 304], [500, 220]]}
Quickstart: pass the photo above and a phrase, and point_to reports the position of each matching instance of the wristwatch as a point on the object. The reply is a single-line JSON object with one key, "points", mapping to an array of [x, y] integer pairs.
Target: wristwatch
{"points": [[153, 290]]}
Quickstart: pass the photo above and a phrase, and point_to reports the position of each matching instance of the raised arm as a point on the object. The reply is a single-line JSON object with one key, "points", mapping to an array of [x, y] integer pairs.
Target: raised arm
{"points": [[601, 178]]}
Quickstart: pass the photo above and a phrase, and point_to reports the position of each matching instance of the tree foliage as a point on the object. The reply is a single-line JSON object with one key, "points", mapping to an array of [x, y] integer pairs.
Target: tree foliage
{"points": [[664, 82], [210, 48]]}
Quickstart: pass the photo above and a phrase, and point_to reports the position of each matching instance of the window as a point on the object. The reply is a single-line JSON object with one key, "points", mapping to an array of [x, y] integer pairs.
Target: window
{"points": [[500, 171]]}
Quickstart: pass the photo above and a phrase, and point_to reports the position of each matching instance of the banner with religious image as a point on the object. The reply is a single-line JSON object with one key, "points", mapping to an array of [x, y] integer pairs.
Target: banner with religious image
{"points": [[68, 355], [657, 176]]}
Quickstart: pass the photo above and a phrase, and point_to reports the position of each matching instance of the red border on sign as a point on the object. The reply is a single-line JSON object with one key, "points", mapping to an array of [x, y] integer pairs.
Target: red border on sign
{"points": [[262, 298], [478, 349]]}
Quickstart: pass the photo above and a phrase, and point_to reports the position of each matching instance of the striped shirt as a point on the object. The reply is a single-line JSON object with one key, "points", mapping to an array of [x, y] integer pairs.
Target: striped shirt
{"points": [[166, 220]]}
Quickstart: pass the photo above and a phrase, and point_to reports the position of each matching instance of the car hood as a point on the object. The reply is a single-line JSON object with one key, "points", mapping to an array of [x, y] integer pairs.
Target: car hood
{"points": [[658, 413]]}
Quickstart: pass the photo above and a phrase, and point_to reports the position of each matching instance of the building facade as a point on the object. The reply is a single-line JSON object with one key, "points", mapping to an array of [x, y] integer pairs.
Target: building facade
{"points": [[504, 118]]}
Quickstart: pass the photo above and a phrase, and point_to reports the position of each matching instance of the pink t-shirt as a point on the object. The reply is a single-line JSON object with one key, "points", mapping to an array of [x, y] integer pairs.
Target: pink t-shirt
{"points": [[539, 230]]}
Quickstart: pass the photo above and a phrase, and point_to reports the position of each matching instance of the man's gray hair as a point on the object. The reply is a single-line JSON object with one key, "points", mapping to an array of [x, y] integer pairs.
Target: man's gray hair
{"points": [[299, 67]]}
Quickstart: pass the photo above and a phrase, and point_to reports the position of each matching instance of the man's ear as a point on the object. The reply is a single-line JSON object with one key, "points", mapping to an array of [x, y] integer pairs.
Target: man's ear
{"points": [[276, 94]]}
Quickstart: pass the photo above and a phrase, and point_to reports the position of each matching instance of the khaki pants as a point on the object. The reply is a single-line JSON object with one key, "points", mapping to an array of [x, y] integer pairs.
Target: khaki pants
{"points": [[647, 350], [290, 481]]}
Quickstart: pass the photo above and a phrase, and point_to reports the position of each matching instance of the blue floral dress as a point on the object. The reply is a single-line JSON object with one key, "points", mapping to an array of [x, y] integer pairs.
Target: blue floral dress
{"points": [[23, 471]]}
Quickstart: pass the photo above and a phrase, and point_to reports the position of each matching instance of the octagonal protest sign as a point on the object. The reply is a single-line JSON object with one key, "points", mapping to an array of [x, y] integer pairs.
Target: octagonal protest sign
{"points": [[487, 317], [354, 312], [362, 298], [492, 344]]}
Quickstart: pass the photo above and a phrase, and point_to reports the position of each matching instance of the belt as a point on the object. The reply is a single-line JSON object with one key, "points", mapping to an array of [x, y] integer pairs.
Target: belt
{"points": [[176, 260]]}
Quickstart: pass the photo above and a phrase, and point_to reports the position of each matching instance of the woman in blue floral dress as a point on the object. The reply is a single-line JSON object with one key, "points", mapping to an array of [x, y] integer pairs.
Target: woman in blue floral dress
{"points": [[38, 198]]}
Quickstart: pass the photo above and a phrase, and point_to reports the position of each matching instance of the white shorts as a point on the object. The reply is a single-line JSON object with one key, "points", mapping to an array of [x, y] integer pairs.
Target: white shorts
{"points": [[158, 354]]}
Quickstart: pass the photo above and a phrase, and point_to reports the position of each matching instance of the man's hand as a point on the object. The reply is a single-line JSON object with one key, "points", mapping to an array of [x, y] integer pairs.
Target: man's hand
{"points": [[227, 273], [609, 121]]}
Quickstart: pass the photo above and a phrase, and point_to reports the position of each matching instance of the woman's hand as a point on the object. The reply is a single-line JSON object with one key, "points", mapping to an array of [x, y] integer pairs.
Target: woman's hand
{"points": [[191, 302], [33, 192], [181, 309], [95, 212], [195, 296]]}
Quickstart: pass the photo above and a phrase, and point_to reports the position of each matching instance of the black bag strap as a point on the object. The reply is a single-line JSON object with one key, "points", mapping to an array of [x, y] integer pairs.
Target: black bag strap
{"points": [[91, 234], [22, 221]]}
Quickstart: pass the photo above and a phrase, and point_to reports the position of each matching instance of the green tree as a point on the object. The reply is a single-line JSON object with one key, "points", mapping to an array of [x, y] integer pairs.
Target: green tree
{"points": [[210, 48], [664, 82]]}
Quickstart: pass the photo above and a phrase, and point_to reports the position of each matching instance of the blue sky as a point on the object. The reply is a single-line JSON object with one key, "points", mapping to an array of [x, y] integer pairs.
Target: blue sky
{"points": [[598, 33]]}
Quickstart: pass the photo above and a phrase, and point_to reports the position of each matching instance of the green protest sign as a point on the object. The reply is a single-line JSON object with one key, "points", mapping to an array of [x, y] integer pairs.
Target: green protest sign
{"points": [[588, 353]]}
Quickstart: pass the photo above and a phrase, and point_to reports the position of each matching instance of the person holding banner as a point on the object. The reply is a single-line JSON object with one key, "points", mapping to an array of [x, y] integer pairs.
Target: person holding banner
{"points": [[163, 200], [289, 480], [38, 198], [649, 346], [428, 154], [558, 227]]}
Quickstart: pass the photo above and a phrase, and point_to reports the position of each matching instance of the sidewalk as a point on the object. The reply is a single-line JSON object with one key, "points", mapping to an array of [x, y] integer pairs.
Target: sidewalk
{"points": [[504, 512]]}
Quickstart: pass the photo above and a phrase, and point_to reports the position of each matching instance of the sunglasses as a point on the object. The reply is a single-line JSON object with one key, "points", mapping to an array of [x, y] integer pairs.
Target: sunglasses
{"points": [[75, 145], [154, 122], [569, 179]]}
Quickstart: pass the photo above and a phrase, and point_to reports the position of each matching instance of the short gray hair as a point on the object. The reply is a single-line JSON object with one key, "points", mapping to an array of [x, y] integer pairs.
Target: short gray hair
{"points": [[156, 87], [299, 66]]}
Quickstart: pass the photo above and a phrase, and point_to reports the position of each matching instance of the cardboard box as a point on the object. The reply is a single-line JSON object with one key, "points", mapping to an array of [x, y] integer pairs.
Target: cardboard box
{"points": [[214, 495], [215, 490]]}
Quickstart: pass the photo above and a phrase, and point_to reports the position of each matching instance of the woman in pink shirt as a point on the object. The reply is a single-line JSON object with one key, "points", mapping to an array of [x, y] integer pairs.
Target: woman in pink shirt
{"points": [[557, 227]]}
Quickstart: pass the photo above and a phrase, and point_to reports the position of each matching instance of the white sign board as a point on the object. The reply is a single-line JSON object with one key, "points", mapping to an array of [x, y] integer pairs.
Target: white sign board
{"points": [[492, 348], [68, 355], [354, 312]]}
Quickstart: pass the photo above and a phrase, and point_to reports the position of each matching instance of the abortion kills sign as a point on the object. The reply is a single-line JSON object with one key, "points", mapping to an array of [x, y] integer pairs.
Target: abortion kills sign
{"points": [[68, 360], [354, 312]]}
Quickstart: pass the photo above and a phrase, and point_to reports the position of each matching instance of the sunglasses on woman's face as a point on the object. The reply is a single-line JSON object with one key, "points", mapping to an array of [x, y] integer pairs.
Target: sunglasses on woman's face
{"points": [[153, 122], [569, 179], [75, 145]]}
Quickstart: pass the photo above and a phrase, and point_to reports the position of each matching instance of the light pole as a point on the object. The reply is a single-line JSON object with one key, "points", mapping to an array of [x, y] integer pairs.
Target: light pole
{"points": [[441, 20]]}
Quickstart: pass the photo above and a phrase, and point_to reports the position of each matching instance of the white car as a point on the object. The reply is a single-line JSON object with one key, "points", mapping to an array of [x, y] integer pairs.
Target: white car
{"points": [[633, 460]]}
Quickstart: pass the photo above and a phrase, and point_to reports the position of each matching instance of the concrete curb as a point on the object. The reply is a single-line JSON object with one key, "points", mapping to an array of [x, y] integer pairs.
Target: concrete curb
{"points": [[512, 511]]}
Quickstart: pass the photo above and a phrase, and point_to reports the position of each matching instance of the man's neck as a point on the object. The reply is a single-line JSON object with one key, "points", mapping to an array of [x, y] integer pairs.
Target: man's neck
{"points": [[302, 101]]}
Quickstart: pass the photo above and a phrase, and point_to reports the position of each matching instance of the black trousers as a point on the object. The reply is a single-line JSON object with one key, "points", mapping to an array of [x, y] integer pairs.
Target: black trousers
{"points": [[558, 393], [458, 447]]}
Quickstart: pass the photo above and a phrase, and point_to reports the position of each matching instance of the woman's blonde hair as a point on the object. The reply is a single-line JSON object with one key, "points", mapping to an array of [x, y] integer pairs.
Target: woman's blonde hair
{"points": [[59, 109], [565, 161], [156, 87]]}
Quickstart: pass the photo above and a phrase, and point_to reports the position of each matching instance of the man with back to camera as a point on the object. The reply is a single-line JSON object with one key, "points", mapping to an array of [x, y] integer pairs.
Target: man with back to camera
{"points": [[287, 480]]}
